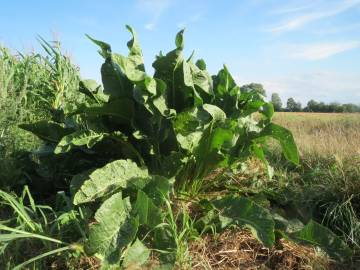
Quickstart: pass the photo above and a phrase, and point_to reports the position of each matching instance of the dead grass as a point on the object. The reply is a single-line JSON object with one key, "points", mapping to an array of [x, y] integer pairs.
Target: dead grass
{"points": [[324, 133], [238, 249], [82, 263]]}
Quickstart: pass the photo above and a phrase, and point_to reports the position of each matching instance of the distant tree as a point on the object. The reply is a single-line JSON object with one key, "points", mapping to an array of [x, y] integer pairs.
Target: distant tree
{"points": [[322, 107], [312, 106], [276, 101], [335, 107], [292, 105], [257, 87], [351, 108]]}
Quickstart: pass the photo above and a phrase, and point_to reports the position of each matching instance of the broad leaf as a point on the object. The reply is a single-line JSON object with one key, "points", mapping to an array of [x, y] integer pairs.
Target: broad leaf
{"points": [[113, 176], [79, 138], [201, 78], [286, 140], [176, 73], [105, 48], [318, 235], [104, 233], [47, 130], [93, 90], [245, 212], [122, 109], [149, 214], [135, 255]]}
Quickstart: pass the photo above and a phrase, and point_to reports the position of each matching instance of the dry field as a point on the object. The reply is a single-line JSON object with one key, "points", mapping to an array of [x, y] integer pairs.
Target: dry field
{"points": [[324, 133]]}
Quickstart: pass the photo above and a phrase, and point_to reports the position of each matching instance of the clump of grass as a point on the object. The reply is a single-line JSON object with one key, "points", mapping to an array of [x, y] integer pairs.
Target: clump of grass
{"points": [[33, 232]]}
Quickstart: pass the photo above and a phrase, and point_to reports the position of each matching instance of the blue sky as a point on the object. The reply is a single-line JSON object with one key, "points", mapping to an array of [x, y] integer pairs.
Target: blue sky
{"points": [[306, 49]]}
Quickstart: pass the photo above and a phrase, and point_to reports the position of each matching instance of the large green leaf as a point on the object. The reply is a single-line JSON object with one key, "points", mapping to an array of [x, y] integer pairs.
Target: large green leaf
{"points": [[135, 255], [111, 177], [86, 138], [122, 109], [216, 113], [318, 235], [133, 44], [47, 130], [134, 74], [105, 48], [213, 146], [149, 214], [176, 73], [93, 90], [115, 82], [244, 212], [159, 188], [201, 78], [112, 218], [226, 92], [224, 82], [286, 140]]}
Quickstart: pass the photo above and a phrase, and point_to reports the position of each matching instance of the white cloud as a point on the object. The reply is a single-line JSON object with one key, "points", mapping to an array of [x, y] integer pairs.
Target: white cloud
{"points": [[325, 10], [154, 8], [335, 29], [293, 9], [149, 26], [193, 19], [319, 51]]}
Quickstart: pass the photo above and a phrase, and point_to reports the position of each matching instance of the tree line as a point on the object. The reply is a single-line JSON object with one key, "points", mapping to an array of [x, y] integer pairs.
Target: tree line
{"points": [[295, 106], [312, 106]]}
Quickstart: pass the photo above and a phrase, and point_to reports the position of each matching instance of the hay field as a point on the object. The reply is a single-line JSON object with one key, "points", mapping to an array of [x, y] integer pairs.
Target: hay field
{"points": [[324, 133]]}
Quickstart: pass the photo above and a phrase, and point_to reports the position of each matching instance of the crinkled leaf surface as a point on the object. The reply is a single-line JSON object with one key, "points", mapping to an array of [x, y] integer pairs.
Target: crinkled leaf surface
{"points": [[86, 138], [114, 175], [110, 217]]}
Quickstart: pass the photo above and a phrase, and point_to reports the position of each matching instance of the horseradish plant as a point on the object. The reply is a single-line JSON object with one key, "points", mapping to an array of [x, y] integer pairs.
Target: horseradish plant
{"points": [[138, 137]]}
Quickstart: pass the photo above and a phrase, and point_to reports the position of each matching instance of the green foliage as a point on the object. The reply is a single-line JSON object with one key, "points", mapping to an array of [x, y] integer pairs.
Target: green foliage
{"points": [[33, 87], [136, 255], [314, 106], [254, 87], [106, 180], [293, 106], [316, 234], [126, 145], [276, 101], [243, 212], [32, 232]]}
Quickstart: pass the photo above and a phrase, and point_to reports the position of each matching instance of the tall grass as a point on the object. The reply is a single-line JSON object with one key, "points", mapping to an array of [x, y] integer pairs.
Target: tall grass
{"points": [[32, 87], [31, 232], [324, 134]]}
